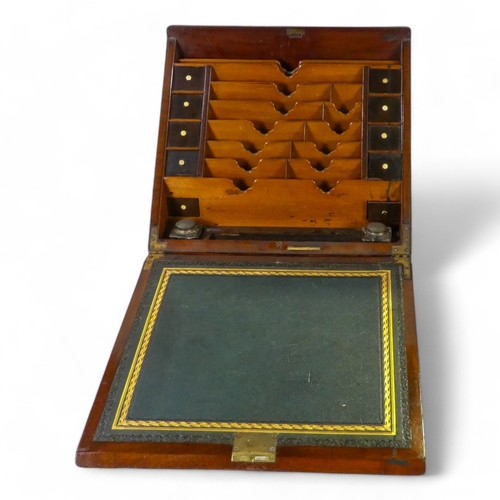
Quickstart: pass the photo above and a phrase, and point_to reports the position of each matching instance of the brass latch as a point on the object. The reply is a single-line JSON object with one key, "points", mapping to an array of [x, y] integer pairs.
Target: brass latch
{"points": [[254, 447]]}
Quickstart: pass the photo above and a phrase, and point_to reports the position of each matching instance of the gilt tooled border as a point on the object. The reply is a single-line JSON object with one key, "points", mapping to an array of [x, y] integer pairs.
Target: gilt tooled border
{"points": [[388, 428]]}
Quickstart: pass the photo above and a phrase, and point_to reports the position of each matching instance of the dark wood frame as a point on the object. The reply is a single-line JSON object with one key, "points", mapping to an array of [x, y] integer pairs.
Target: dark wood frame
{"points": [[252, 43]]}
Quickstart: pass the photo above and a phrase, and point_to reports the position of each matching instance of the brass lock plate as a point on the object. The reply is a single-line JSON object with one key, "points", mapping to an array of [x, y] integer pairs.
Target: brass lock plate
{"points": [[254, 447]]}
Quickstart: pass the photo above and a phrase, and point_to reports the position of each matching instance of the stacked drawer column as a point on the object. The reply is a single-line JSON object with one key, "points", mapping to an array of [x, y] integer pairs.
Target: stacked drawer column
{"points": [[185, 125], [384, 138]]}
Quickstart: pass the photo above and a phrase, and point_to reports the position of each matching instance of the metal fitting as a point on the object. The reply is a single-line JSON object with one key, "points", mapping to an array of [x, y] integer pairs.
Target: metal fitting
{"points": [[377, 232]]}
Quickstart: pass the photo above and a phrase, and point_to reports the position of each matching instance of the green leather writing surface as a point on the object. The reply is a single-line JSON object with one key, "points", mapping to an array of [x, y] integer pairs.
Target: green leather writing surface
{"points": [[264, 348], [311, 353]]}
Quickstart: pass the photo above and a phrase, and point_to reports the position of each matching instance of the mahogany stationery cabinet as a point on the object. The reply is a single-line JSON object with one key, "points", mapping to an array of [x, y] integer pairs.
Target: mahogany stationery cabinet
{"points": [[273, 325]]}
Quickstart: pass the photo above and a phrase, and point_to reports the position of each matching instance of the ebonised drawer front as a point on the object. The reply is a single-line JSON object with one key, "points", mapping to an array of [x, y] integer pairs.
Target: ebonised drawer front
{"points": [[384, 109], [183, 207], [182, 163], [388, 212], [385, 81], [189, 78], [186, 106], [385, 166], [384, 138], [184, 135]]}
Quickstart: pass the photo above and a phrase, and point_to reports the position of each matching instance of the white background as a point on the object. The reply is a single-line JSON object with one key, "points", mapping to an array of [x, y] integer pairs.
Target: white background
{"points": [[80, 88]]}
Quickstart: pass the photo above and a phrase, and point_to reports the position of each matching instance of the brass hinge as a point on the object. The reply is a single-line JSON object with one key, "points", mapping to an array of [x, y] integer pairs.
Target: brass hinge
{"points": [[156, 249], [254, 447], [148, 263], [154, 245], [401, 253], [404, 260]]}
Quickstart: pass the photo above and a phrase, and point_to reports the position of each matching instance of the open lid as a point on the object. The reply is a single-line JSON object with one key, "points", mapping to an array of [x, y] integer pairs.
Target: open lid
{"points": [[284, 140]]}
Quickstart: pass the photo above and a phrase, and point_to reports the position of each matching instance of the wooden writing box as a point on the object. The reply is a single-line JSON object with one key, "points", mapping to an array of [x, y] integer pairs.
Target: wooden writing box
{"points": [[273, 325]]}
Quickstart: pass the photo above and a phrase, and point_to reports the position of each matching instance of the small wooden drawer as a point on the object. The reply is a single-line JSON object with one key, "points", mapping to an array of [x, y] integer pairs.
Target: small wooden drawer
{"points": [[385, 81], [189, 78], [387, 212], [385, 166], [384, 138], [182, 163], [184, 135], [183, 207], [186, 106], [384, 109]]}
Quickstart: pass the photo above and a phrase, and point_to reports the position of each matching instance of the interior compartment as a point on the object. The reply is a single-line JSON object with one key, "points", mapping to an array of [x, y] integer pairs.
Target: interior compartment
{"points": [[272, 71], [279, 147], [229, 168], [282, 202], [265, 91], [245, 130]]}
